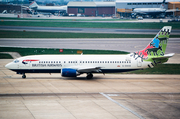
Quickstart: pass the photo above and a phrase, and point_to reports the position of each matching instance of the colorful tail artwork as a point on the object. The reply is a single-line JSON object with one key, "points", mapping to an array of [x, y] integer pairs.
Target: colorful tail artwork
{"points": [[155, 50]]}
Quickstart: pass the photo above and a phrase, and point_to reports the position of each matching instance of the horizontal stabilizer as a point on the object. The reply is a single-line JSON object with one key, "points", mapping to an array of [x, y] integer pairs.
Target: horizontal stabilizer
{"points": [[164, 57]]}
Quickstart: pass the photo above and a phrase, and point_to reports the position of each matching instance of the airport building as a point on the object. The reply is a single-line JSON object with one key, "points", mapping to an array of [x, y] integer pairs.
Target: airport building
{"points": [[91, 8], [10, 8], [125, 7], [175, 6], [130, 4]]}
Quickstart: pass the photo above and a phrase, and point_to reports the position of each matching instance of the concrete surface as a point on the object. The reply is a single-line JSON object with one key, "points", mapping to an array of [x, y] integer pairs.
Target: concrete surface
{"points": [[85, 30], [120, 44], [52, 96]]}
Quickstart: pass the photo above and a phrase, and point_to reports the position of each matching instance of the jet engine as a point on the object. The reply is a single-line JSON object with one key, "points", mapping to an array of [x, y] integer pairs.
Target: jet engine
{"points": [[67, 72]]}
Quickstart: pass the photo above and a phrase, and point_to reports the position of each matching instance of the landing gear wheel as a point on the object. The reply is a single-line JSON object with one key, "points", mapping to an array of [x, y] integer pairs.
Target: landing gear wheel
{"points": [[23, 76], [89, 76]]}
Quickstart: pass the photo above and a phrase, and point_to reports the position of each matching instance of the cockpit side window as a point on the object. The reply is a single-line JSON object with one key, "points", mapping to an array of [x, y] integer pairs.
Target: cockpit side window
{"points": [[16, 61]]}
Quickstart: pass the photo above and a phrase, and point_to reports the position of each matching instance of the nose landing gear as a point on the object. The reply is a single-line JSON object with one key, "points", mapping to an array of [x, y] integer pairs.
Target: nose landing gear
{"points": [[23, 76]]}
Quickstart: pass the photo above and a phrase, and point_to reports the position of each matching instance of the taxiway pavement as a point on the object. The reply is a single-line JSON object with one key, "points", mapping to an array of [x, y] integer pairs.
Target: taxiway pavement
{"points": [[85, 30], [122, 44], [113, 96]]}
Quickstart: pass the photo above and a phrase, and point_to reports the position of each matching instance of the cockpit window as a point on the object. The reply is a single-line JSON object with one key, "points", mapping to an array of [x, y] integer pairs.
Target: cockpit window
{"points": [[16, 61]]}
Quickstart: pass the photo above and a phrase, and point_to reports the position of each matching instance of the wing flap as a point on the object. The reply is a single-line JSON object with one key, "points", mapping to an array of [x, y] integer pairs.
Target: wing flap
{"points": [[89, 69]]}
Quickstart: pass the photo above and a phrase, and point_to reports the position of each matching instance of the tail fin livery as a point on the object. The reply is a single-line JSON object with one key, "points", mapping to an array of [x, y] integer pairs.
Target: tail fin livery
{"points": [[162, 5], [33, 5], [157, 47]]}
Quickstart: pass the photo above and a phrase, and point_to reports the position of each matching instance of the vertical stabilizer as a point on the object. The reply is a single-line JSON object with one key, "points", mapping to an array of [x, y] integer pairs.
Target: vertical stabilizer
{"points": [[157, 47], [162, 5], [33, 5]]}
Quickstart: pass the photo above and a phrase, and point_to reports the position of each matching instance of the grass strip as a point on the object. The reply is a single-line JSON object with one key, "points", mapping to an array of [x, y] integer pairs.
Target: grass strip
{"points": [[159, 69], [43, 51], [29, 34], [175, 25], [5, 56]]}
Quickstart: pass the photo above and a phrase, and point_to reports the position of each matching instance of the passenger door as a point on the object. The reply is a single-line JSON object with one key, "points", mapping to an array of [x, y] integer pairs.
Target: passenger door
{"points": [[139, 63]]}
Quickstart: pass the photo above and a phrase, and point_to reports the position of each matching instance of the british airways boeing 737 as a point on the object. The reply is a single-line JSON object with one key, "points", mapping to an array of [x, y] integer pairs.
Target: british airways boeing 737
{"points": [[74, 65]]}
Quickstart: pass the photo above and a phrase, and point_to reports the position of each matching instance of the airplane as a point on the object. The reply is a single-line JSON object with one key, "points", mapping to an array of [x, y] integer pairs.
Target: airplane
{"points": [[47, 9], [75, 65], [154, 12]]}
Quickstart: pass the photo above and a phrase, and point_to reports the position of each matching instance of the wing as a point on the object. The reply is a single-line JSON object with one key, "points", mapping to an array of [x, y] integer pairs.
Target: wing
{"points": [[88, 69]]}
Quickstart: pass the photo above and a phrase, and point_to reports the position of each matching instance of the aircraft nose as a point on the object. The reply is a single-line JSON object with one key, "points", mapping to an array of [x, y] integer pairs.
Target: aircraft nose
{"points": [[9, 65]]}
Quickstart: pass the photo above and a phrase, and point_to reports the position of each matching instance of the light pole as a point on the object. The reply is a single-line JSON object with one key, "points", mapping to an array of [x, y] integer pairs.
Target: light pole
{"points": [[115, 8], [173, 10]]}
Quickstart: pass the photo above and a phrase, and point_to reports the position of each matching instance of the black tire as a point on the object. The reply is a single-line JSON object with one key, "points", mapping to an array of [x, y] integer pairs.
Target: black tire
{"points": [[89, 76], [23, 76]]}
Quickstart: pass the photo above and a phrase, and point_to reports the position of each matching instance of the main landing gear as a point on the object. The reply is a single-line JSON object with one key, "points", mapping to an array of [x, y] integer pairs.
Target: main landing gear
{"points": [[23, 76], [89, 76]]}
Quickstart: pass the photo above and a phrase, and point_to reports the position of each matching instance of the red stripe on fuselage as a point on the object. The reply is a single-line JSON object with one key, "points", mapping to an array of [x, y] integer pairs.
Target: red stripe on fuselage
{"points": [[29, 60]]}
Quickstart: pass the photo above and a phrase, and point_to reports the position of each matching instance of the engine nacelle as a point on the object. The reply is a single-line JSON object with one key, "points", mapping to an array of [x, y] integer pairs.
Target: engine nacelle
{"points": [[67, 72]]}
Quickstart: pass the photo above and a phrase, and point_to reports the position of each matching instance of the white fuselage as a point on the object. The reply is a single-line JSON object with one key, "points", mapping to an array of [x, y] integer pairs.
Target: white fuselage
{"points": [[81, 63], [53, 8], [146, 10]]}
